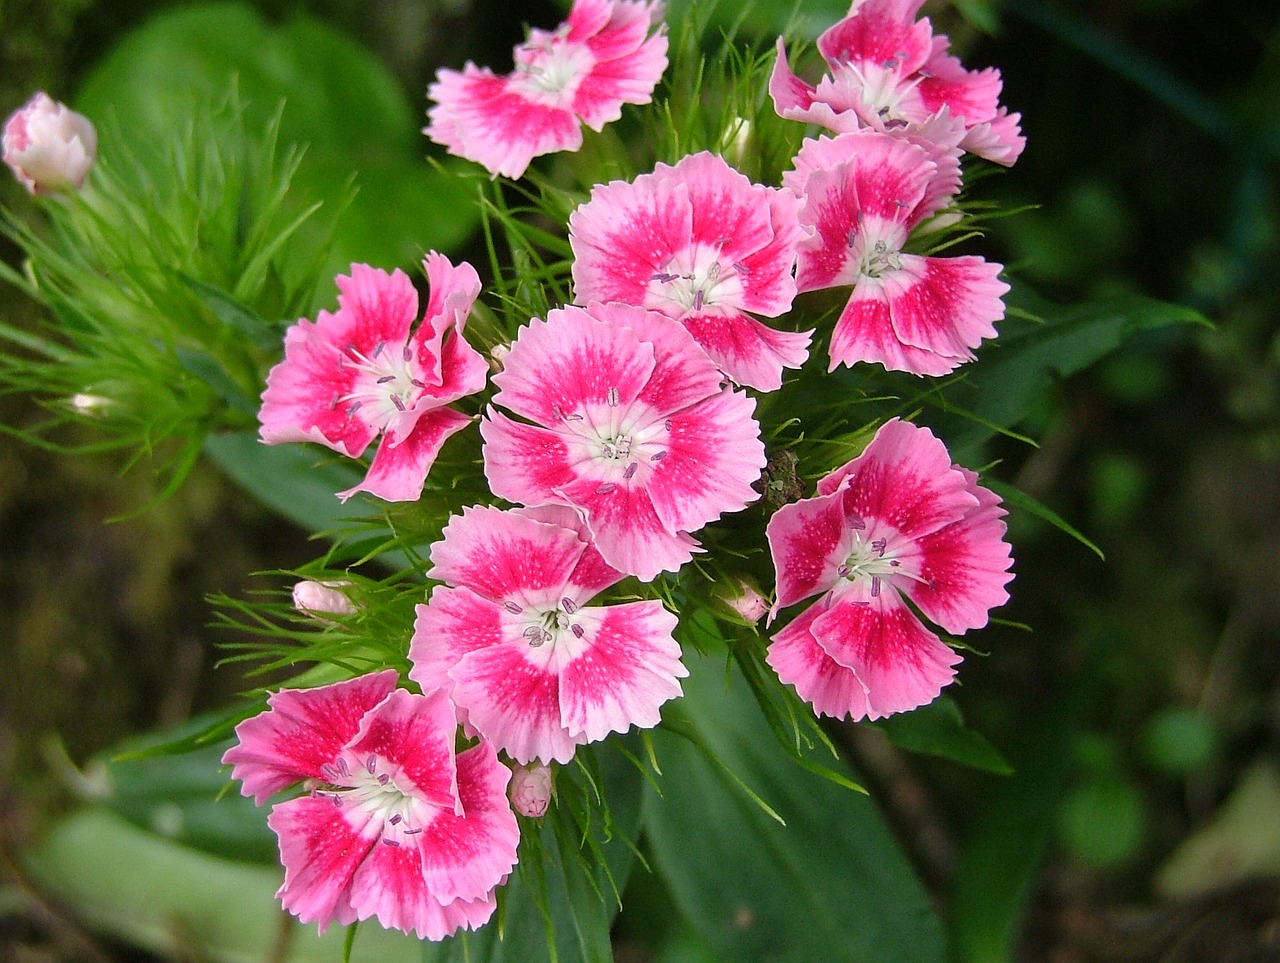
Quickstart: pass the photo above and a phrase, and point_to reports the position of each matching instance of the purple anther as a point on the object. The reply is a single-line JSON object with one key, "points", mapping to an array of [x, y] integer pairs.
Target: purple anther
{"points": [[407, 354], [532, 632], [355, 406], [377, 348], [631, 470], [383, 778], [852, 237], [371, 764], [668, 424], [856, 523], [894, 562], [843, 571], [412, 832], [605, 488], [569, 605], [343, 767], [395, 819], [662, 277], [741, 268], [878, 545], [512, 607], [577, 630], [658, 455], [612, 397], [875, 586], [395, 400], [416, 383], [573, 416], [558, 412], [388, 841], [386, 379]]}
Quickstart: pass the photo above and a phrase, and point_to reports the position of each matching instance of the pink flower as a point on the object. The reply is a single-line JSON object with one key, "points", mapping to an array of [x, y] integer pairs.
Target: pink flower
{"points": [[530, 791], [746, 602], [352, 376], [701, 244], [512, 641], [897, 523], [49, 146], [394, 826], [581, 73], [889, 72], [628, 423], [864, 193]]}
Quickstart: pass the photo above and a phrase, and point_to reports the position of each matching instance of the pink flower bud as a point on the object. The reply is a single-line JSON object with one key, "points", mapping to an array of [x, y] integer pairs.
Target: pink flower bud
{"points": [[530, 790], [49, 146], [749, 603], [323, 598]]}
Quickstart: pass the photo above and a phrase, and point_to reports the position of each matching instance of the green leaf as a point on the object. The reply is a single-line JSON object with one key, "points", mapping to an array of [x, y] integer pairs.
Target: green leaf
{"points": [[340, 101], [185, 904], [1020, 499], [830, 885], [1014, 372], [938, 729]]}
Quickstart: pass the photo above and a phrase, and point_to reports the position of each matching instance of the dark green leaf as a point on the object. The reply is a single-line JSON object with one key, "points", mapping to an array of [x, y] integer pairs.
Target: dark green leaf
{"points": [[830, 885], [938, 729]]}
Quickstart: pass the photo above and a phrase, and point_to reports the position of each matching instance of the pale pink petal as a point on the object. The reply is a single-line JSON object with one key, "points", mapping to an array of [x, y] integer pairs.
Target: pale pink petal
{"points": [[485, 118], [399, 471], [768, 287], [902, 664], [807, 540], [514, 703], [302, 731], [321, 847], [455, 621], [571, 362], [714, 457], [626, 529], [682, 374], [410, 738], [465, 857], [523, 463], [729, 211], [627, 79], [999, 140], [964, 565], [627, 670], [373, 307], [749, 352], [790, 94], [505, 555], [819, 680], [592, 574]]}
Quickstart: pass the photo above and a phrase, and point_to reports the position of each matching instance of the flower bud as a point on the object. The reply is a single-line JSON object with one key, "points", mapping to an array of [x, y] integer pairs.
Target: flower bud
{"points": [[530, 790], [49, 146], [748, 603], [317, 598]]}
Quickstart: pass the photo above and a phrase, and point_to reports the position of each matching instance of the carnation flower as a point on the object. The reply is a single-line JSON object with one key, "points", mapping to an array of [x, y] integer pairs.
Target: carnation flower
{"points": [[512, 640], [626, 421], [863, 195], [899, 522], [889, 72], [600, 58], [701, 244], [360, 373], [395, 826], [49, 147]]}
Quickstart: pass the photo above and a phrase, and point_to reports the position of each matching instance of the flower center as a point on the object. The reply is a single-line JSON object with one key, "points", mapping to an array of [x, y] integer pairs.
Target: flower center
{"points": [[368, 785], [549, 69], [695, 279], [617, 444], [548, 626], [386, 383]]}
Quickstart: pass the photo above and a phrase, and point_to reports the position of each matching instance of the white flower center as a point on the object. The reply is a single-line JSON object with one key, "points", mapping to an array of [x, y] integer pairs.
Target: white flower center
{"points": [[554, 627], [549, 69], [614, 444], [872, 561], [387, 383], [367, 785], [694, 279]]}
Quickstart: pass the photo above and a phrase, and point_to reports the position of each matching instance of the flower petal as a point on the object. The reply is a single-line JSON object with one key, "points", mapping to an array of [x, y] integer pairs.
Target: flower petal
{"points": [[807, 540], [398, 471], [749, 352], [454, 622], [627, 670], [865, 332], [523, 463], [321, 847], [945, 305], [820, 680], [414, 734], [302, 731]]}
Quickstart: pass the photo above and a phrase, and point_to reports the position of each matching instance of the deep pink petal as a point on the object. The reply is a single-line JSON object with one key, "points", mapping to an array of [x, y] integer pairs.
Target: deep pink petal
{"points": [[945, 305], [399, 471], [789, 92], [571, 362], [865, 332], [682, 374], [807, 540], [505, 555], [321, 847], [824, 683], [749, 352], [374, 307], [768, 287], [487, 119], [964, 565], [729, 211], [904, 479], [388, 885], [628, 669], [879, 31], [514, 702], [714, 457], [465, 857], [971, 94], [454, 622], [524, 463], [592, 575], [414, 736], [628, 79], [302, 731], [626, 529], [902, 664]]}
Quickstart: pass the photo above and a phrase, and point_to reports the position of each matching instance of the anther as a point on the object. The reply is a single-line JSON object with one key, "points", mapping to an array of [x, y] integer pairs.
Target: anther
{"points": [[662, 277], [855, 522], [697, 299], [395, 819], [407, 354], [852, 237], [388, 841], [383, 778], [569, 605], [631, 470], [577, 630], [605, 488], [658, 455], [385, 379], [512, 607], [612, 397], [416, 383], [878, 545], [377, 348], [741, 268], [843, 571], [395, 400], [875, 586], [371, 764], [412, 832]]}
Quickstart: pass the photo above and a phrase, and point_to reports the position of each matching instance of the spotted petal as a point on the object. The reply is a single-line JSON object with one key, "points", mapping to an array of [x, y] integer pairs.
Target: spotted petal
{"points": [[807, 540], [398, 471], [831, 688]]}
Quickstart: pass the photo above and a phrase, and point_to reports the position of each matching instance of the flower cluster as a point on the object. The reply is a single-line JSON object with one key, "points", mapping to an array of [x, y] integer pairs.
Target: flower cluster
{"points": [[620, 453]]}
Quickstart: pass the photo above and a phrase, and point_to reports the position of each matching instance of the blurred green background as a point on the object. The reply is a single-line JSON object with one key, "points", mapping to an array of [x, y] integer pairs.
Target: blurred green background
{"points": [[1142, 710]]}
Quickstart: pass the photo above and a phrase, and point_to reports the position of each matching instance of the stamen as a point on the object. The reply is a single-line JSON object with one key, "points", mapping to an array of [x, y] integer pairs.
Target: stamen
{"points": [[393, 843], [852, 239], [612, 397], [843, 571], [878, 545], [669, 424], [354, 407], [395, 400], [371, 764], [377, 348], [416, 383], [386, 379], [412, 832], [569, 605], [697, 299], [662, 277], [577, 630], [875, 586], [395, 819], [856, 522], [605, 488], [713, 272], [631, 470], [384, 778], [741, 268], [343, 767], [512, 607]]}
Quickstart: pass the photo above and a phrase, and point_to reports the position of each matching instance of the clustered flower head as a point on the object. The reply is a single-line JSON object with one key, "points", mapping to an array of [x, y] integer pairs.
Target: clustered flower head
{"points": [[48, 146], [620, 438]]}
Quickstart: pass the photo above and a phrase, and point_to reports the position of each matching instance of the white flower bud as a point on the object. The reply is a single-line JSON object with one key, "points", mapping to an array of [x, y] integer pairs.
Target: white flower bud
{"points": [[530, 790], [748, 603], [316, 598], [49, 146]]}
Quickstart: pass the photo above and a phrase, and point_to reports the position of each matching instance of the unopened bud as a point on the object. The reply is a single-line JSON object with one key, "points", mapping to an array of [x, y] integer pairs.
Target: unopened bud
{"points": [[316, 598], [49, 146], [498, 356], [530, 790], [748, 603]]}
